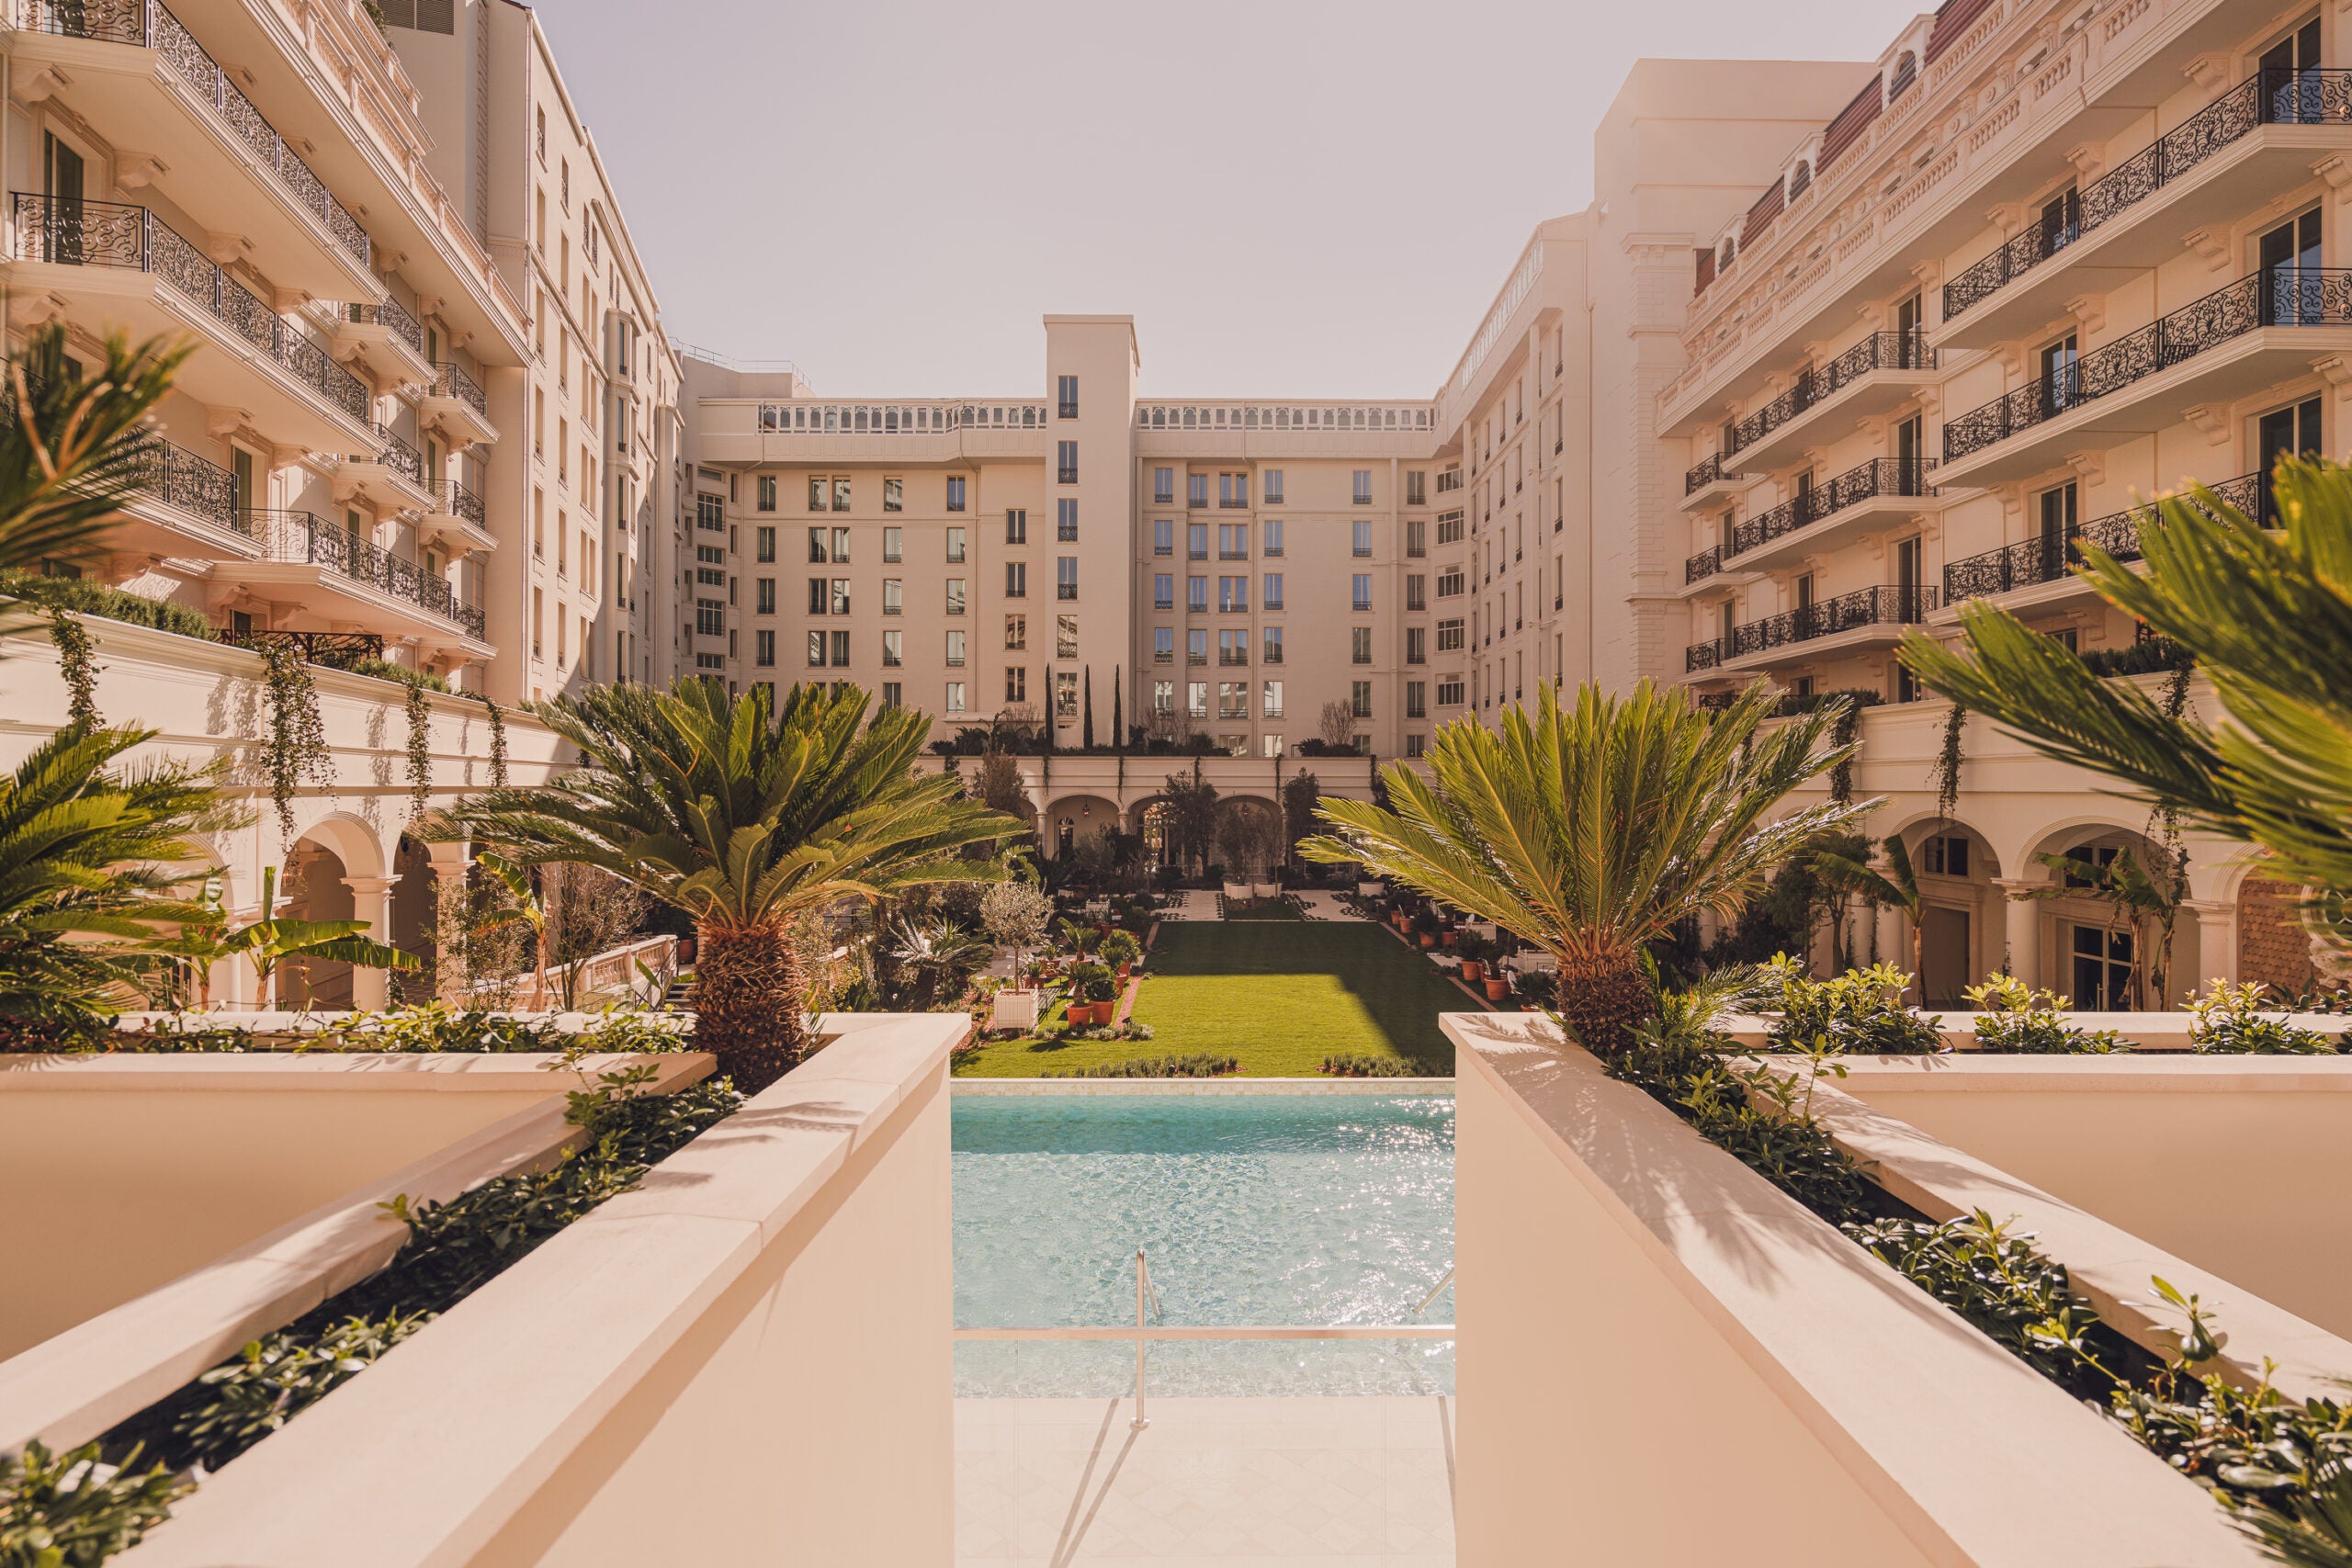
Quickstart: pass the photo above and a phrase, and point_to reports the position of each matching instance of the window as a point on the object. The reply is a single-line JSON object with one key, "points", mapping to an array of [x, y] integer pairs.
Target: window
{"points": [[1068, 399], [1065, 577], [1016, 683], [1196, 646], [1233, 541], [818, 595], [1065, 636], [707, 513], [1449, 637], [1273, 590], [1417, 645], [1233, 699], [1273, 486], [820, 489], [1163, 591], [893, 544], [955, 647], [841, 492], [1197, 698], [1196, 595], [1233, 646], [820, 544], [893, 650], [841, 596], [1415, 745], [2102, 969], [1361, 596], [767, 493], [1449, 693], [710, 617], [954, 546], [1416, 488], [956, 493], [894, 494], [1363, 486], [1417, 538], [1416, 699], [1197, 489], [817, 646], [1016, 580], [764, 543], [1016, 526], [1163, 537], [955, 702], [1016, 632], [1359, 699], [1359, 645], [1163, 487], [1449, 582], [539, 136], [1233, 490], [1362, 543], [763, 647], [1417, 592], [1946, 854], [1163, 645], [892, 693], [954, 595], [1273, 645], [1448, 527], [1273, 536], [1232, 594], [1271, 702], [1196, 541], [841, 547], [1066, 462], [766, 603], [1065, 693], [1163, 697], [893, 596]]}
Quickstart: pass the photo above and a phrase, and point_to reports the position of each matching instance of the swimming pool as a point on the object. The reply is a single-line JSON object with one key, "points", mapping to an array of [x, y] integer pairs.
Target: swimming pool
{"points": [[1253, 1209]]}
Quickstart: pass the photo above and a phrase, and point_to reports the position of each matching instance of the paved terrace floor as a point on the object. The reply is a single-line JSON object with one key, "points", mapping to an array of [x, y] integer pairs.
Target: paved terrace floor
{"points": [[1239, 1483]]}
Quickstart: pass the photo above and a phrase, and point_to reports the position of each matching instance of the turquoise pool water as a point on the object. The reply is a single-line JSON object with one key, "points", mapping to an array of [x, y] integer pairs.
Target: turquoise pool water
{"points": [[1253, 1209]]}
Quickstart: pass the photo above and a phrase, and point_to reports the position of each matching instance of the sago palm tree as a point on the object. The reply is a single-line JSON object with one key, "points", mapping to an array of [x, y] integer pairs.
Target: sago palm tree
{"points": [[2267, 614], [744, 817], [84, 852], [1896, 887], [1593, 830]]}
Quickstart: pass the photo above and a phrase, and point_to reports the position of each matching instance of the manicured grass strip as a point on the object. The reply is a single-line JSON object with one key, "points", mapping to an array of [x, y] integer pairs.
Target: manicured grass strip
{"points": [[1272, 909]]}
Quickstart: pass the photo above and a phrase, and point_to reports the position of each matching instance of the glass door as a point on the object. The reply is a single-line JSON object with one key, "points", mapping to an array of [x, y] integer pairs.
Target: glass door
{"points": [[2102, 969], [2291, 83], [2283, 433], [1908, 556], [2291, 273], [63, 177], [2062, 221], [2057, 539], [1911, 457], [2060, 379]]}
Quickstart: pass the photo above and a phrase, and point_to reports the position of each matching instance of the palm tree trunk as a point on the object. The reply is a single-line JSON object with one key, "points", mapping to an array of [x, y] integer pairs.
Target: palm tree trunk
{"points": [[1602, 997], [749, 990]]}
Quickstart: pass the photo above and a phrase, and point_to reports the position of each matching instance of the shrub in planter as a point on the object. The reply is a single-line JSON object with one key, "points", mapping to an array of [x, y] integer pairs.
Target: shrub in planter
{"points": [[1474, 950], [1119, 950], [2227, 1021], [1859, 1013], [2017, 1019], [1498, 988], [1199, 1065], [1353, 1065]]}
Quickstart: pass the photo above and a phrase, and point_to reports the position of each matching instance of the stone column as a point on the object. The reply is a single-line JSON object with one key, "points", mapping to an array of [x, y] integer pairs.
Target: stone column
{"points": [[2217, 946], [450, 863], [2024, 928], [370, 901]]}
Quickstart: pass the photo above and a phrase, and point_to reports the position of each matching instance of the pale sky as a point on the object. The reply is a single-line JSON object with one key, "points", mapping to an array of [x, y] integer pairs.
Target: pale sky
{"points": [[1292, 199]]}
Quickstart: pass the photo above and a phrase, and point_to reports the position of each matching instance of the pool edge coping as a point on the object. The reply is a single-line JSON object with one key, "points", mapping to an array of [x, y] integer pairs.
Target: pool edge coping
{"points": [[1223, 1086]]}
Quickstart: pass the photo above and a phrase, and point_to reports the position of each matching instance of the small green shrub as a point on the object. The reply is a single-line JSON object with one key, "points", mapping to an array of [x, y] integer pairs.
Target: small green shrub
{"points": [[1356, 1066], [1858, 1013], [1199, 1064], [1997, 1282], [71, 1510], [428, 1027], [90, 598], [1094, 983], [1778, 1139], [1120, 948], [2228, 1023], [385, 670], [2145, 657], [2019, 1020]]}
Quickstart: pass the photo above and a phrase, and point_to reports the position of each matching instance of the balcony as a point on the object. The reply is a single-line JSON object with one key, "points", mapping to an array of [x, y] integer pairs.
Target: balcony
{"points": [[2052, 558], [1877, 614], [457, 406], [2257, 142], [393, 482], [140, 78], [347, 562], [1869, 493], [384, 340], [1697, 569], [1879, 372], [125, 267], [2232, 343], [457, 519]]}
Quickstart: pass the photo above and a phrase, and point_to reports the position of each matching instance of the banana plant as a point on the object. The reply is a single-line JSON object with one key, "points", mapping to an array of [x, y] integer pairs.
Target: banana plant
{"points": [[528, 908], [206, 936]]}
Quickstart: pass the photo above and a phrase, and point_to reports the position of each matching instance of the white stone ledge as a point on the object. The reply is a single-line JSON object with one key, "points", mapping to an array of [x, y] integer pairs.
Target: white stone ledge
{"points": [[1225, 1086], [341, 1072], [2150, 1032]]}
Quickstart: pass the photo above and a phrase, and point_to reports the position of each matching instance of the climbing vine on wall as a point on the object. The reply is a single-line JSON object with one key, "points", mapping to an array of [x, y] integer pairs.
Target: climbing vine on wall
{"points": [[75, 663], [296, 746], [497, 746], [420, 747], [1841, 777], [1948, 761]]}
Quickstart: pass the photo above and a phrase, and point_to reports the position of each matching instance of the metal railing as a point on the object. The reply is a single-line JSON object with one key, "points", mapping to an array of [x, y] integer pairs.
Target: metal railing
{"points": [[105, 233], [399, 456], [336, 650], [177, 477], [1703, 565], [896, 419], [1818, 384], [307, 538], [455, 500], [1866, 480], [2277, 95], [1148, 1307], [2055, 556], [390, 313], [2278, 296], [149, 25], [1892, 606], [1704, 472], [450, 380]]}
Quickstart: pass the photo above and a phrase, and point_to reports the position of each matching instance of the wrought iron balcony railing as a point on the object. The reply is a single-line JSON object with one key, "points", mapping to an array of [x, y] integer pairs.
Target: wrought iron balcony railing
{"points": [[399, 456], [2055, 556], [336, 650], [2279, 95], [2281, 297], [1818, 384], [1705, 564], [450, 380], [1894, 605], [177, 477], [390, 313], [1876, 477], [105, 233], [305, 537], [456, 500], [1704, 472], [148, 25]]}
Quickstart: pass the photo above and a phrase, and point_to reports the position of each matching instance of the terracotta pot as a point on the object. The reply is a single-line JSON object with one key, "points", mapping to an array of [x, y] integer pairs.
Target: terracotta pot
{"points": [[1497, 989], [1429, 939], [1448, 938], [1471, 970], [1123, 970], [685, 950]]}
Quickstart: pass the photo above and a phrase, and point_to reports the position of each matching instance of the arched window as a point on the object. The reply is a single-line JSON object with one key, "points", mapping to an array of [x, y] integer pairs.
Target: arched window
{"points": [[1800, 179], [1906, 71], [1729, 253]]}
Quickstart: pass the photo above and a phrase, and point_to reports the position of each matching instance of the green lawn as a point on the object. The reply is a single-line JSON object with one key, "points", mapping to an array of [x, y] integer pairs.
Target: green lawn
{"points": [[1280, 1000]]}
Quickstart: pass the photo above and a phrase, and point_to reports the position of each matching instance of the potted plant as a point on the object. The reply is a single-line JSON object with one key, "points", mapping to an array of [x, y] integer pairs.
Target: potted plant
{"points": [[1474, 950], [1425, 924], [1093, 994], [1497, 988], [1120, 951]]}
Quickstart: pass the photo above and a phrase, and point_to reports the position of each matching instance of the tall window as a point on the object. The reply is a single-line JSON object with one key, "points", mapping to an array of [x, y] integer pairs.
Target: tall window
{"points": [[1163, 487], [1363, 486], [1417, 645], [1196, 646], [1016, 683], [1069, 396], [1196, 595], [766, 596], [1196, 541], [1359, 699], [1232, 594], [1066, 520], [1359, 645], [1233, 490], [1163, 591], [1417, 592], [1066, 462], [1273, 600], [954, 595], [1163, 536], [893, 596], [763, 647], [1016, 526], [1233, 541], [841, 492], [955, 648], [1272, 487], [1065, 637], [1362, 543], [893, 648], [1016, 632], [1016, 580], [767, 493], [1270, 706], [764, 543], [1163, 645], [1361, 597], [954, 544], [1417, 538], [1197, 489], [820, 492], [894, 494], [1066, 577], [1233, 646], [1416, 488], [1273, 645], [1416, 699], [956, 484], [1273, 536], [893, 543], [955, 702]]}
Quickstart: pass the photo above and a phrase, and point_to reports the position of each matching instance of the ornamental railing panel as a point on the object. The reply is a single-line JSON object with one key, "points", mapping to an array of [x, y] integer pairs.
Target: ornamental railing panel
{"points": [[1864, 482], [2054, 555], [1817, 384]]}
